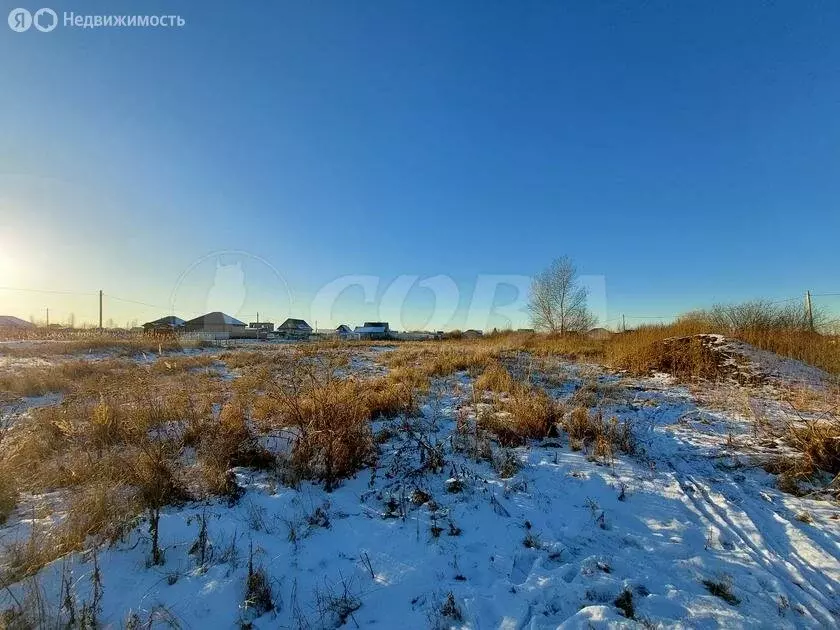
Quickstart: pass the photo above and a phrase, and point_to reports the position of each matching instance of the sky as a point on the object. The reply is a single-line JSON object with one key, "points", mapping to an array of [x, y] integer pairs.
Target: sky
{"points": [[418, 161]]}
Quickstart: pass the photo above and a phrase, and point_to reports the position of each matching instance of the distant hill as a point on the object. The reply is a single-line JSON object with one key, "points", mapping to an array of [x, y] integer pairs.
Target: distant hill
{"points": [[10, 321]]}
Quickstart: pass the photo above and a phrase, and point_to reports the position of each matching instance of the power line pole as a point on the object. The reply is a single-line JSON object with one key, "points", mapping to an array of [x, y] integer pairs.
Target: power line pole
{"points": [[100, 310], [623, 324], [48, 318], [809, 312]]}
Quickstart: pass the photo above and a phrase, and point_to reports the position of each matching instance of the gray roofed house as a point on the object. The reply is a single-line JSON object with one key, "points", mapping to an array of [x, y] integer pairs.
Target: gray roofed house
{"points": [[373, 330], [214, 322], [295, 329], [169, 323]]}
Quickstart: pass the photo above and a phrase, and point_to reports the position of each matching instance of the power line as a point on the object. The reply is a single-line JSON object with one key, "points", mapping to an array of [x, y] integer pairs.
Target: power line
{"points": [[163, 308], [119, 299], [44, 291]]}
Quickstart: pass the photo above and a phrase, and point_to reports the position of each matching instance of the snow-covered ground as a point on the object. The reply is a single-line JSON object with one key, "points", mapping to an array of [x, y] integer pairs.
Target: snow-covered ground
{"points": [[686, 533]]}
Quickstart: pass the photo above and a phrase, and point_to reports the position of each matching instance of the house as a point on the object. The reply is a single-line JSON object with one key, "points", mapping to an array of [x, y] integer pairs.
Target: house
{"points": [[168, 324], [343, 329], [265, 326], [16, 323], [472, 333], [215, 322], [294, 329], [373, 330]]}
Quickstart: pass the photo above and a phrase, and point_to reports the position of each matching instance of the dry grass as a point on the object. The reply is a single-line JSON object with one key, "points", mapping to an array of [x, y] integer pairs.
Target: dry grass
{"points": [[645, 349], [642, 350], [126, 345], [101, 510], [8, 498], [330, 422], [436, 359], [62, 377], [113, 448], [526, 413], [687, 358], [818, 450], [587, 428], [328, 414], [494, 378], [534, 414]]}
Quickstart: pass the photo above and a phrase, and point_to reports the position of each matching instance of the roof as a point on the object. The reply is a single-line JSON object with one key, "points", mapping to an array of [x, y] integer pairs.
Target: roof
{"points": [[295, 324], [375, 325], [371, 329], [216, 317], [169, 320], [10, 321], [344, 328]]}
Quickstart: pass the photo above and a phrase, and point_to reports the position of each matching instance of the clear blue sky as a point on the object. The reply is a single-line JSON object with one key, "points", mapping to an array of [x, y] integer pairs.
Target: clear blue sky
{"points": [[688, 152]]}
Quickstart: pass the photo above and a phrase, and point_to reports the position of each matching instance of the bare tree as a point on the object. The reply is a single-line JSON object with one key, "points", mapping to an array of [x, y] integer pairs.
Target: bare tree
{"points": [[558, 301]]}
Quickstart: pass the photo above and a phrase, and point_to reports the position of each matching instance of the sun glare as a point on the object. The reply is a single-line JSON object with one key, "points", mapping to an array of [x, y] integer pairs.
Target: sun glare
{"points": [[8, 269]]}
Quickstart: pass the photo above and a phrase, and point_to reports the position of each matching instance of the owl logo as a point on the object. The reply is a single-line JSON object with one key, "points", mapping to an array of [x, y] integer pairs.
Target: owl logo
{"points": [[221, 287], [228, 291]]}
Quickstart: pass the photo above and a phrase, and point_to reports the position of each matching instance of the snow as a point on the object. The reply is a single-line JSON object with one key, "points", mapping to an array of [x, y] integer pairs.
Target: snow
{"points": [[553, 546], [764, 365]]}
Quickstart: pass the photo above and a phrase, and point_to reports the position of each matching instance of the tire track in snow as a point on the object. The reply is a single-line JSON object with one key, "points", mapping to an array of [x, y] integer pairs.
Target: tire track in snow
{"points": [[772, 559]]}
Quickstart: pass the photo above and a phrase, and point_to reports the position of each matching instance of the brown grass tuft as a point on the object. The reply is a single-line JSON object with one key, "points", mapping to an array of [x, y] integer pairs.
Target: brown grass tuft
{"points": [[495, 378], [606, 436]]}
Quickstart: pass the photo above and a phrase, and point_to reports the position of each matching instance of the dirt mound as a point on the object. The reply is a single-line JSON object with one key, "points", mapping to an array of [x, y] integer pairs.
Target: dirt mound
{"points": [[715, 358]]}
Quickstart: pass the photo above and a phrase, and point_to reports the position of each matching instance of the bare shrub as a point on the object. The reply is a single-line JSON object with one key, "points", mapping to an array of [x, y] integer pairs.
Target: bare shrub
{"points": [[624, 602], [721, 589], [584, 427], [818, 449], [330, 420], [336, 605], [819, 443], [259, 598]]}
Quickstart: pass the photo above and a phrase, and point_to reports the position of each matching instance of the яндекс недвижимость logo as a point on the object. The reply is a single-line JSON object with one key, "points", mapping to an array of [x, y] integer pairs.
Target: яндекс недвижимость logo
{"points": [[45, 20]]}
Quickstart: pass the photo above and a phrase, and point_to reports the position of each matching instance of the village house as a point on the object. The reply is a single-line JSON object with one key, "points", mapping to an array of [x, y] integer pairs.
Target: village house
{"points": [[373, 330], [294, 329], [168, 324], [217, 323]]}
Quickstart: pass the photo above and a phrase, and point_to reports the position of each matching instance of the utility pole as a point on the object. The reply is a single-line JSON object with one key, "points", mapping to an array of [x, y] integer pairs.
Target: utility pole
{"points": [[809, 312], [100, 310], [623, 324], [48, 318]]}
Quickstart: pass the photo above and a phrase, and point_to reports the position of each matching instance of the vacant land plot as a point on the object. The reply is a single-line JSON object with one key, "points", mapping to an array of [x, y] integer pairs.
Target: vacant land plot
{"points": [[511, 481]]}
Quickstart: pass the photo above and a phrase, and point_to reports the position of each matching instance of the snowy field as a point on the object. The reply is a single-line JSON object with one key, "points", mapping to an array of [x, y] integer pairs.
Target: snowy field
{"points": [[687, 532]]}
